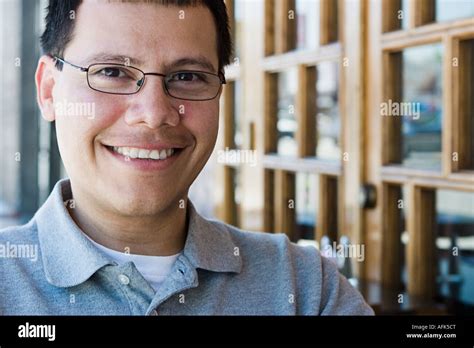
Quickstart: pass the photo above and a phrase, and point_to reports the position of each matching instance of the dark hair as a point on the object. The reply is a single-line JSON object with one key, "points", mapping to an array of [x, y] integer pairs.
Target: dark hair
{"points": [[60, 26]]}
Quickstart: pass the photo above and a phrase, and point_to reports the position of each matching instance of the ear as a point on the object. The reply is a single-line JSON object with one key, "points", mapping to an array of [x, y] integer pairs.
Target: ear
{"points": [[44, 78]]}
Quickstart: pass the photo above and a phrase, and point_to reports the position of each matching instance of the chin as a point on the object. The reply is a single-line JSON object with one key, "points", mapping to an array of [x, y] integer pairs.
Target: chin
{"points": [[136, 208]]}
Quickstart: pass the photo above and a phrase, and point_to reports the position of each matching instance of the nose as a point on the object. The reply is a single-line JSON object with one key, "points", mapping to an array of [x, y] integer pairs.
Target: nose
{"points": [[152, 106]]}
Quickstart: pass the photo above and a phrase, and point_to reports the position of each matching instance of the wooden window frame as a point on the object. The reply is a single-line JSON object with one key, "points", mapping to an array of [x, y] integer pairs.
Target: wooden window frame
{"points": [[383, 223]]}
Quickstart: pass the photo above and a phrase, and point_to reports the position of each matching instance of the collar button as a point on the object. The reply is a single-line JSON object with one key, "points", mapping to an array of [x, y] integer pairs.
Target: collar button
{"points": [[123, 279]]}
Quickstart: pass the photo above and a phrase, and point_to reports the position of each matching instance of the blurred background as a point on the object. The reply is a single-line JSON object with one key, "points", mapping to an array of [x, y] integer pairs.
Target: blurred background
{"points": [[306, 146]]}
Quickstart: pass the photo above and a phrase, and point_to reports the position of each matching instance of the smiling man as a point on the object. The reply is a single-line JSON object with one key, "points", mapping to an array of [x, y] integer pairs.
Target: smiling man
{"points": [[120, 237]]}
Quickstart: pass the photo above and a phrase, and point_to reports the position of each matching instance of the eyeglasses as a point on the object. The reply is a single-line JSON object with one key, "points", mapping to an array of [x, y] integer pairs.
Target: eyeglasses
{"points": [[125, 80]]}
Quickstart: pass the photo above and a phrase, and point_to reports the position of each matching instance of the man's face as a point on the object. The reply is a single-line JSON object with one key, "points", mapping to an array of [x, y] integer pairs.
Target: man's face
{"points": [[154, 38]]}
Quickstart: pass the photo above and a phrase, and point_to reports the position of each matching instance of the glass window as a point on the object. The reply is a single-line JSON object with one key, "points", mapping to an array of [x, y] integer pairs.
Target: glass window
{"points": [[307, 24], [421, 107], [447, 10], [306, 205], [328, 122], [286, 117], [455, 248]]}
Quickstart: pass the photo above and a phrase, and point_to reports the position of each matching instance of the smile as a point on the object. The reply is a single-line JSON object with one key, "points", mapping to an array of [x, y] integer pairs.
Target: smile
{"points": [[134, 152]]}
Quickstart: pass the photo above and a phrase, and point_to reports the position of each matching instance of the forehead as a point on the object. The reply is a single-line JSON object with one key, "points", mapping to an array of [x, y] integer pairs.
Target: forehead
{"points": [[149, 33]]}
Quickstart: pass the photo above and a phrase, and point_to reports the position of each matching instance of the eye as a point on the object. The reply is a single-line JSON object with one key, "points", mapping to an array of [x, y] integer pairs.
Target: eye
{"points": [[183, 76], [111, 72], [187, 76]]}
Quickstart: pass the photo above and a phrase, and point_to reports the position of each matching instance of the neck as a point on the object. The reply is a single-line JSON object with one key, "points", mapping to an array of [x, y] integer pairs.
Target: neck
{"points": [[162, 234]]}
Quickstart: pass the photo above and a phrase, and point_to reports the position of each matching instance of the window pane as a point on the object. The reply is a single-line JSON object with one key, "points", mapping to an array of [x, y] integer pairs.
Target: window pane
{"points": [[307, 24], [455, 246], [447, 10], [421, 109], [306, 205], [328, 122], [286, 118]]}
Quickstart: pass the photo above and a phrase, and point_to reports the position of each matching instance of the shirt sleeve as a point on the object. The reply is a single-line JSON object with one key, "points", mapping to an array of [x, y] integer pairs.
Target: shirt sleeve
{"points": [[338, 296]]}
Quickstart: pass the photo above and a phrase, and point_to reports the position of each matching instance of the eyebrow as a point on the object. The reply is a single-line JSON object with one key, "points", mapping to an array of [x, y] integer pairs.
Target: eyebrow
{"points": [[107, 57], [200, 61]]}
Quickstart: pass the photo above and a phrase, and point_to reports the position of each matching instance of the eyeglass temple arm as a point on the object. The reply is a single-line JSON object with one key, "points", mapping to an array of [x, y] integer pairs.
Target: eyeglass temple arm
{"points": [[222, 76], [73, 65]]}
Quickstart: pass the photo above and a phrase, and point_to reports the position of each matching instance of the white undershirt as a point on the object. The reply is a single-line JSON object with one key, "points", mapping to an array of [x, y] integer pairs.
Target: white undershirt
{"points": [[154, 269]]}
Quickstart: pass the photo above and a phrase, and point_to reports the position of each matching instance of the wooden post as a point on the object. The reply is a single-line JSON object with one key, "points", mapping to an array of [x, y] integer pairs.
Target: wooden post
{"points": [[270, 122], [390, 20], [285, 203], [391, 236], [285, 26], [392, 91], [306, 111], [328, 21], [269, 201], [327, 224], [421, 257]]}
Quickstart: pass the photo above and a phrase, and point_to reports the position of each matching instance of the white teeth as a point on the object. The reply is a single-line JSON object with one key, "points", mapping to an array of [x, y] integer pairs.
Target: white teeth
{"points": [[134, 152], [155, 154], [143, 153]]}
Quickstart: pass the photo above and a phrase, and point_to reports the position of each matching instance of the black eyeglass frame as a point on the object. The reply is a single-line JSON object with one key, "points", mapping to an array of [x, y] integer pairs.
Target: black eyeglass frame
{"points": [[165, 87]]}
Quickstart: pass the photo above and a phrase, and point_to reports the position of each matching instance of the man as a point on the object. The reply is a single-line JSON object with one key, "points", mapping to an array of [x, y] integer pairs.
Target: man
{"points": [[120, 236]]}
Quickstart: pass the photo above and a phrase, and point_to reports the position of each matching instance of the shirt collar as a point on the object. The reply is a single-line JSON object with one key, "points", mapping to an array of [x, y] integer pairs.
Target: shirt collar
{"points": [[69, 258], [209, 244]]}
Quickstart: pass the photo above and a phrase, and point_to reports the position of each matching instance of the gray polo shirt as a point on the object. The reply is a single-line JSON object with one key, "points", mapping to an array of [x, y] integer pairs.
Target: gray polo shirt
{"points": [[48, 267]]}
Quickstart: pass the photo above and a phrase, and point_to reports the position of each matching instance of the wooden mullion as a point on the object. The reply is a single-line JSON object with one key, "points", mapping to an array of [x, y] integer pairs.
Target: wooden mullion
{"points": [[422, 12], [306, 111], [421, 255], [229, 209], [296, 164], [270, 122], [269, 27], [285, 26], [463, 106], [392, 90], [327, 221], [285, 219], [391, 233], [448, 108], [328, 21], [288, 60], [269, 200], [389, 18], [229, 109]]}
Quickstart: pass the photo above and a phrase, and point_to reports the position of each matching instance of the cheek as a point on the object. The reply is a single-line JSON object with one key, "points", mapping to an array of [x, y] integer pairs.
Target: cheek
{"points": [[202, 120], [80, 116]]}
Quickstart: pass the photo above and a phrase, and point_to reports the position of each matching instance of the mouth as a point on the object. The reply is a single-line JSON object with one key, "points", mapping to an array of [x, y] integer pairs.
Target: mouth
{"points": [[145, 158], [144, 154]]}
